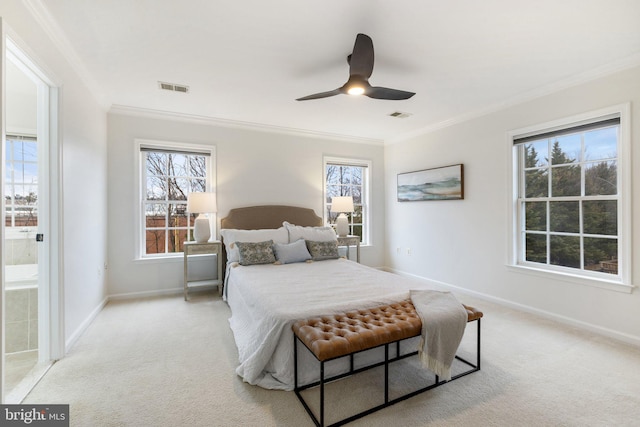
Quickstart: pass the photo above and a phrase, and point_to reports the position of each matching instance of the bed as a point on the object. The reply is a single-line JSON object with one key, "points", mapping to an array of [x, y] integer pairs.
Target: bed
{"points": [[266, 299]]}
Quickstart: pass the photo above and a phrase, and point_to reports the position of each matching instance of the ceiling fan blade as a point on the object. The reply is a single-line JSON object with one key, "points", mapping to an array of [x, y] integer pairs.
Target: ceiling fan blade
{"points": [[321, 95], [361, 60], [378, 92]]}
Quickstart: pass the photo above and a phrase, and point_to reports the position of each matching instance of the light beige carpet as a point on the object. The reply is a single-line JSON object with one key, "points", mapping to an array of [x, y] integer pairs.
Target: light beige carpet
{"points": [[167, 362]]}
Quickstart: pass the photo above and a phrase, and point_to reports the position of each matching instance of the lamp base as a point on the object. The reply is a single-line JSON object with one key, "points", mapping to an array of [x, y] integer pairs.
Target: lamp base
{"points": [[342, 225], [201, 230]]}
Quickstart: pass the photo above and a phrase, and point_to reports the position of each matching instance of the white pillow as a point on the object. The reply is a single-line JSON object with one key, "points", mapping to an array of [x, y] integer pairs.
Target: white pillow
{"points": [[317, 234], [231, 235], [291, 252]]}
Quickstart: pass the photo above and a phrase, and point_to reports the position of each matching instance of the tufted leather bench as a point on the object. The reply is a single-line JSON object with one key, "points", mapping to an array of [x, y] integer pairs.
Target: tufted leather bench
{"points": [[339, 335], [329, 337]]}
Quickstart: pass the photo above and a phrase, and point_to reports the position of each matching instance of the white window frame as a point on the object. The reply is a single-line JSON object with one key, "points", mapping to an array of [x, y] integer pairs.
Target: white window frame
{"points": [[366, 192], [13, 230], [621, 282], [140, 174]]}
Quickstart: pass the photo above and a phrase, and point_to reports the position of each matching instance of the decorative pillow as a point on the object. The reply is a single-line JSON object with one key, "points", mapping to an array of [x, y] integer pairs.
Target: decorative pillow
{"points": [[323, 250], [316, 234], [256, 252], [291, 252], [231, 235]]}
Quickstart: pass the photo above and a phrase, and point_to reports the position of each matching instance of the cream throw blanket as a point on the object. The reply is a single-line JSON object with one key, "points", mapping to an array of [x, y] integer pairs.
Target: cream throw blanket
{"points": [[443, 322]]}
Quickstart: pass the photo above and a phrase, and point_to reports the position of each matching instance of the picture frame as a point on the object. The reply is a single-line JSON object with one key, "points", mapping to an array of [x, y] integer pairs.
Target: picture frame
{"points": [[441, 183]]}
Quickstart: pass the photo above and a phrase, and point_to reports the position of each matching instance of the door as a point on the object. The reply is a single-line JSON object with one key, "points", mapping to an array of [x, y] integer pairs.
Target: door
{"points": [[30, 293]]}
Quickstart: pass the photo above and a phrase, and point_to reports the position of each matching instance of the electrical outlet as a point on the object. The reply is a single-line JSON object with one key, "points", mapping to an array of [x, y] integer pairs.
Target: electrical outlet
{"points": [[398, 251], [409, 251]]}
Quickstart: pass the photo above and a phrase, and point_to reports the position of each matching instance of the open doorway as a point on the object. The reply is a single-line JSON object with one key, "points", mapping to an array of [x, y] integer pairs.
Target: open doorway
{"points": [[30, 314]]}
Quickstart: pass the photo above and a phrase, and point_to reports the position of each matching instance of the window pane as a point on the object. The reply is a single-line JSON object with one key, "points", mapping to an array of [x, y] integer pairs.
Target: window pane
{"points": [[177, 215], [566, 149], [155, 215], [177, 164], [156, 188], [565, 181], [17, 151], [564, 217], [155, 241], [601, 255], [536, 216], [536, 154], [601, 144], [536, 248], [565, 251], [601, 179], [356, 175], [29, 173], [30, 151], [176, 240], [600, 217], [357, 231], [157, 163], [198, 166], [332, 176], [198, 185], [178, 188], [536, 183]]}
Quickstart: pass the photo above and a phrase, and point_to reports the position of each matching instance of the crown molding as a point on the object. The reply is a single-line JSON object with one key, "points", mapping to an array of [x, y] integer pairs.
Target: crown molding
{"points": [[578, 79], [41, 14], [227, 123]]}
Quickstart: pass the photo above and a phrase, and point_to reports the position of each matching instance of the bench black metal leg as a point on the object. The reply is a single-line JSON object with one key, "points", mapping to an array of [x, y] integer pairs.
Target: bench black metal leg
{"points": [[321, 421]]}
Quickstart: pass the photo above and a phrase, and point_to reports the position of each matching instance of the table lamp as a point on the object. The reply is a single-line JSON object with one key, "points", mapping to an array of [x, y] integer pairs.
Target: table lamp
{"points": [[342, 204], [202, 204]]}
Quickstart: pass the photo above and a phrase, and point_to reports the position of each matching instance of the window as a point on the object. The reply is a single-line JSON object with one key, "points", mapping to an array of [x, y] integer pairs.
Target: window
{"points": [[169, 172], [348, 177], [21, 182], [569, 205]]}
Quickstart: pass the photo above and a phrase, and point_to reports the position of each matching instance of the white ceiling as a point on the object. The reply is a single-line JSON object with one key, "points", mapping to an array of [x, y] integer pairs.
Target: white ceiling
{"points": [[248, 60]]}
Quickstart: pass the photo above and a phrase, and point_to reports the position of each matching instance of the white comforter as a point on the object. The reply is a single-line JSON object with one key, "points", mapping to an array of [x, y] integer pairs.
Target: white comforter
{"points": [[266, 300]]}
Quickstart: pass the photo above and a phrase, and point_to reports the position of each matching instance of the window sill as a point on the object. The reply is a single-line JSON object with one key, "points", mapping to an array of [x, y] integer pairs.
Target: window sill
{"points": [[571, 278], [177, 257]]}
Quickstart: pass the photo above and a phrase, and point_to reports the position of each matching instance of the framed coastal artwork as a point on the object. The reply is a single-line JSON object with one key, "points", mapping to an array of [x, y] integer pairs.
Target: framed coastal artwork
{"points": [[443, 183]]}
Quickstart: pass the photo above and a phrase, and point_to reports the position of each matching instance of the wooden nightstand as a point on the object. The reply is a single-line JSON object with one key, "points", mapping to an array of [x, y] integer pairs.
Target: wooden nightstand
{"points": [[350, 241], [208, 248]]}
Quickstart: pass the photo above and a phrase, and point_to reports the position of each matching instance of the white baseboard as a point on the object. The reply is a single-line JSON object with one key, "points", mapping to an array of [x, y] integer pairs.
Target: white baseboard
{"points": [[83, 326], [620, 336], [145, 294]]}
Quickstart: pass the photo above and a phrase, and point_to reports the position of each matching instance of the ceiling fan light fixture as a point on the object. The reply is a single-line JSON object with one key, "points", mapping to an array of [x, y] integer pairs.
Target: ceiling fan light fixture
{"points": [[360, 69]]}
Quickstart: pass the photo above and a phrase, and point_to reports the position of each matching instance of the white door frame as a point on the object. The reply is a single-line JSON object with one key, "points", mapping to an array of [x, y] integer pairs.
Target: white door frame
{"points": [[51, 333]]}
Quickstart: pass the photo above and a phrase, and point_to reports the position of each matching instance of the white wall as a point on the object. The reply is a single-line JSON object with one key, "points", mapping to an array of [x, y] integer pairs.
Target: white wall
{"points": [[20, 101], [252, 168], [464, 243], [83, 156]]}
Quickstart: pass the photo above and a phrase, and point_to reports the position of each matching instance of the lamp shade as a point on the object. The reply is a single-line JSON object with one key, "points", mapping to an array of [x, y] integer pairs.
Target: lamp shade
{"points": [[201, 203], [342, 204]]}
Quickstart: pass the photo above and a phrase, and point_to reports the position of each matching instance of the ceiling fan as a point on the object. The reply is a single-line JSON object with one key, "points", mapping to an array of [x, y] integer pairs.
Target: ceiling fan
{"points": [[360, 69]]}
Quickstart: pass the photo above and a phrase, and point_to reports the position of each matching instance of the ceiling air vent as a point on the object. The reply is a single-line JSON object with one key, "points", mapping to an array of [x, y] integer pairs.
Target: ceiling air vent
{"points": [[173, 87], [400, 115]]}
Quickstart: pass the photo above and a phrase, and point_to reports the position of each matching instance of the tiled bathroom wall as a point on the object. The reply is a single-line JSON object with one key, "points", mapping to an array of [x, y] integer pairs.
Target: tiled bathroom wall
{"points": [[21, 332]]}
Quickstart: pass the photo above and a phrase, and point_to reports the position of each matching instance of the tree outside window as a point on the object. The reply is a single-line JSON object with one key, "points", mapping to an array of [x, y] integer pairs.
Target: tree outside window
{"points": [[168, 178], [570, 200], [345, 178]]}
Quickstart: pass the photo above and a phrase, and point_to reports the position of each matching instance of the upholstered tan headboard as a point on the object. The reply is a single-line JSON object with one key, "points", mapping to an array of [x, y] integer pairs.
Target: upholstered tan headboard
{"points": [[268, 216]]}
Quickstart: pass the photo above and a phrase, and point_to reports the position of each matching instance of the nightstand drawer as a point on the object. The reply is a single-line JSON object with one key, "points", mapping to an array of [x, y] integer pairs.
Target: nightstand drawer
{"points": [[203, 249]]}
